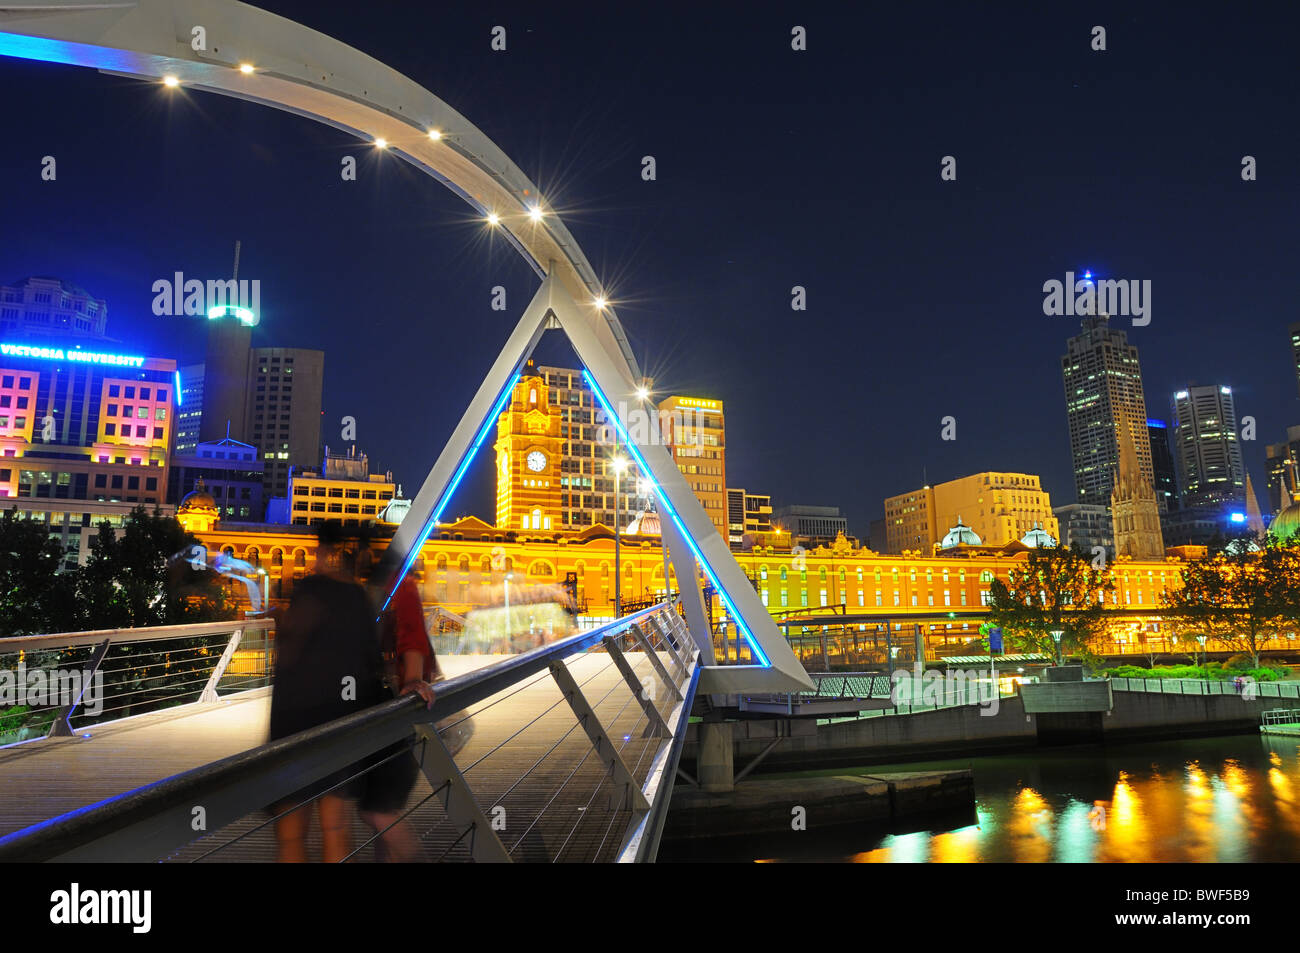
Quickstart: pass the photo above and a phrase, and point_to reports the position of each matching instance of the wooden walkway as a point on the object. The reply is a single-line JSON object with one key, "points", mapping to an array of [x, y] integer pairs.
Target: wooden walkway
{"points": [[563, 810]]}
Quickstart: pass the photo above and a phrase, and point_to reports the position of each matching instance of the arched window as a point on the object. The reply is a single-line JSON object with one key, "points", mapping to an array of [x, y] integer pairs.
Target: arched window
{"points": [[762, 573], [253, 556], [300, 558], [540, 568], [441, 564], [485, 565], [783, 574], [277, 558], [532, 395], [463, 564]]}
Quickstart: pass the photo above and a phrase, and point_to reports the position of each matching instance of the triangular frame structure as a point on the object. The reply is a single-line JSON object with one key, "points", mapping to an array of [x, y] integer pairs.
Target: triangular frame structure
{"points": [[689, 536]]}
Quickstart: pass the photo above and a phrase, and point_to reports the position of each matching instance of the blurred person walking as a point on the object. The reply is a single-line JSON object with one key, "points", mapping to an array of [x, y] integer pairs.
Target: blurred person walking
{"points": [[328, 666]]}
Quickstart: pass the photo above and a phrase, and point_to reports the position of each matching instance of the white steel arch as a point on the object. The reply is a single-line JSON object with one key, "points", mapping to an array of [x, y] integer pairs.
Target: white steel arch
{"points": [[263, 58]]}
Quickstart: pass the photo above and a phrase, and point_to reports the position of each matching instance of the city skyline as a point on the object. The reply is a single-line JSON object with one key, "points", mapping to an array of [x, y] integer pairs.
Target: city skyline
{"points": [[791, 380]]}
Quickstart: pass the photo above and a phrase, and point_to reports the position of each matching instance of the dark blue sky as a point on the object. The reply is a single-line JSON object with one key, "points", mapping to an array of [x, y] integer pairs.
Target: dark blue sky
{"points": [[775, 168]]}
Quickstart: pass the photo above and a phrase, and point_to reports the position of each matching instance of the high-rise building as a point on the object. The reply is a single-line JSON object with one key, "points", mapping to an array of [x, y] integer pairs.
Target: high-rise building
{"points": [[1103, 386], [85, 434], [189, 408], [999, 507], [694, 431], [1134, 511], [285, 387], [50, 307], [269, 397], [1206, 447], [1283, 462], [1162, 465]]}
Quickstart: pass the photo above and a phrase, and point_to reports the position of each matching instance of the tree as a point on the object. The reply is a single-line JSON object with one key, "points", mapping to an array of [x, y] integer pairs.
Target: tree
{"points": [[34, 596], [133, 580], [1243, 595], [1056, 589]]}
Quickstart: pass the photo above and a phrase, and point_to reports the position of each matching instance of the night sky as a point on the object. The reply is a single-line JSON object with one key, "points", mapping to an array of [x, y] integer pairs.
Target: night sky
{"points": [[775, 168]]}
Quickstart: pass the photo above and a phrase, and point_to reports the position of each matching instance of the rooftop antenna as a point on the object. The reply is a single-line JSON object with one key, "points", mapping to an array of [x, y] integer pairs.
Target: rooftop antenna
{"points": [[235, 276]]}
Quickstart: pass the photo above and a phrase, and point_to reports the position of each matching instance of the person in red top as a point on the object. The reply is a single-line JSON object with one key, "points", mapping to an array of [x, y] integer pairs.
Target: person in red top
{"points": [[409, 668]]}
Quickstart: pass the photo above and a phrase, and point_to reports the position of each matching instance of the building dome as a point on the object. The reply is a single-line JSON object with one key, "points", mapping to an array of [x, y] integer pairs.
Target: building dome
{"points": [[960, 535], [198, 511], [1286, 524], [645, 524], [1037, 537]]}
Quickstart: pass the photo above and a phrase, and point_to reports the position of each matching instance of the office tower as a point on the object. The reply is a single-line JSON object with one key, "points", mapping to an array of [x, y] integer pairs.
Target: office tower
{"points": [[1283, 463], [1162, 465], [225, 375], [749, 520], [999, 507], [694, 431], [284, 411], [1134, 511], [1206, 446], [189, 408], [51, 307], [1086, 527], [1103, 386]]}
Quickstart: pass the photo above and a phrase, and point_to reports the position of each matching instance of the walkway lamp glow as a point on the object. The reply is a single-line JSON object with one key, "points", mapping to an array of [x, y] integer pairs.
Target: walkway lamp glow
{"points": [[435, 134], [509, 576], [171, 82], [246, 68], [642, 393], [600, 303], [535, 213], [493, 219], [381, 143], [1056, 637]]}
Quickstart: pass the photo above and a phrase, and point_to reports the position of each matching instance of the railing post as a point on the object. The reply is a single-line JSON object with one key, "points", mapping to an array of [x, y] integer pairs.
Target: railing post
{"points": [[61, 727], [460, 806], [655, 662], [209, 693], [601, 743], [657, 727]]}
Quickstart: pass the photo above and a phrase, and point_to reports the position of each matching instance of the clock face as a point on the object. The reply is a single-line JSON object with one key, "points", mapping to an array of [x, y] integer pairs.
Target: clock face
{"points": [[536, 461]]}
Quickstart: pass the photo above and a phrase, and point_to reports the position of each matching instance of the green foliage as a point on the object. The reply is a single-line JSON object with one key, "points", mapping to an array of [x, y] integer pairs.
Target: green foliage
{"points": [[129, 580], [1056, 589], [1211, 672], [1242, 596]]}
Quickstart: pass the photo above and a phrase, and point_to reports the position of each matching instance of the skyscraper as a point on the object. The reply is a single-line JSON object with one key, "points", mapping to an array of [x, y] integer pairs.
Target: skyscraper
{"points": [[1162, 465], [1295, 349], [1206, 446], [1103, 386]]}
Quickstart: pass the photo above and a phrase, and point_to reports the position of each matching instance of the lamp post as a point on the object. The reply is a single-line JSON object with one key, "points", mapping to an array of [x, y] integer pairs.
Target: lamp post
{"points": [[1201, 639], [620, 464], [1056, 637], [509, 576]]}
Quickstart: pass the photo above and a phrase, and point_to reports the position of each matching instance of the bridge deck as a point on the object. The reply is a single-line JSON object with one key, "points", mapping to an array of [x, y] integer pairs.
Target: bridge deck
{"points": [[544, 818]]}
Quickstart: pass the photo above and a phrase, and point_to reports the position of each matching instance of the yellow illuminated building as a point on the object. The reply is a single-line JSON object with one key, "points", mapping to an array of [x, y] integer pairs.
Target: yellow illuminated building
{"points": [[343, 489], [694, 432], [999, 507]]}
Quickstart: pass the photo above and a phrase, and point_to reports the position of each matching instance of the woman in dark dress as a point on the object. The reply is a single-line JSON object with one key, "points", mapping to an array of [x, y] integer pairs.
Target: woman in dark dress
{"points": [[328, 666]]}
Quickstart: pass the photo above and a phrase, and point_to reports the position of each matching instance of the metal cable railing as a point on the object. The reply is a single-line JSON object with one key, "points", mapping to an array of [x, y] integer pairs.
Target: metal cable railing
{"points": [[560, 793], [71, 680]]}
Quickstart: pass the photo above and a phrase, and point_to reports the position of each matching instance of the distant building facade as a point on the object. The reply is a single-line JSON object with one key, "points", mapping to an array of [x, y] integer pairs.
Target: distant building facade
{"points": [[999, 507], [811, 525], [342, 489], [1207, 448], [232, 474], [47, 307]]}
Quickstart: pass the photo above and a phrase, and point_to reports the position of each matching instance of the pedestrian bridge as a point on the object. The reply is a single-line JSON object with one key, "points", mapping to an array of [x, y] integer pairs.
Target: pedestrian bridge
{"points": [[572, 755]]}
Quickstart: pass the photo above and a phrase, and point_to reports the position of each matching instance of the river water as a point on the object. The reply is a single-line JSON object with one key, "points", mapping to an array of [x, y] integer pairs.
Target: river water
{"points": [[1225, 799]]}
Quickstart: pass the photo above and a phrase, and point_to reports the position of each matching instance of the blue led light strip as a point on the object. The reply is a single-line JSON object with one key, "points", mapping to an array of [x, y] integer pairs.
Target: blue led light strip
{"points": [[488, 424], [690, 541]]}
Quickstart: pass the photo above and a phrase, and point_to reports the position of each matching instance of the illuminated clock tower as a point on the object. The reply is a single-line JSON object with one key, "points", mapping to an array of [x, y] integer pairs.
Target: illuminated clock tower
{"points": [[529, 449]]}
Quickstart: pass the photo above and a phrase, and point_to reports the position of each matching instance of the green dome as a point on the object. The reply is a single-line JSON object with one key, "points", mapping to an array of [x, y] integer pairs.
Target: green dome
{"points": [[1037, 537], [960, 535], [1287, 523]]}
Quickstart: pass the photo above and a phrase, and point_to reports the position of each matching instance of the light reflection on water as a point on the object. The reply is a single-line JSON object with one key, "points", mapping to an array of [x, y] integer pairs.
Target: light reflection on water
{"points": [[1208, 800]]}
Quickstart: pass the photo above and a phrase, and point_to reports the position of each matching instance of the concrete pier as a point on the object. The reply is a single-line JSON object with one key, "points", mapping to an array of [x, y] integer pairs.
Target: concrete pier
{"points": [[815, 804]]}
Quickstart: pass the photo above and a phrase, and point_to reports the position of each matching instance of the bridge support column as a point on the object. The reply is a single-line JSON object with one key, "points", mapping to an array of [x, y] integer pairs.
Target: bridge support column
{"points": [[716, 768]]}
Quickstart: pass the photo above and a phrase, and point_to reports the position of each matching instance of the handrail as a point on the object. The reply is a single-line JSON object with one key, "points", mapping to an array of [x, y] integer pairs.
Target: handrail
{"points": [[31, 643], [151, 821]]}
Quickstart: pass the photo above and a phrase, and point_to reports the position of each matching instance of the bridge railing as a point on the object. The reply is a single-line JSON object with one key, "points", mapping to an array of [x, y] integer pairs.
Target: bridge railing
{"points": [[67, 681], [574, 758], [1198, 686]]}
